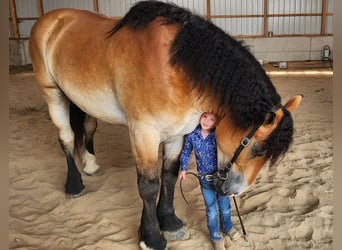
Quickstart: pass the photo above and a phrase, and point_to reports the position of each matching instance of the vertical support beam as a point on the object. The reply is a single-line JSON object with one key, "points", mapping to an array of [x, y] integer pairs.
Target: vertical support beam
{"points": [[208, 14], [265, 17], [13, 13], [324, 17], [96, 5], [40, 7]]}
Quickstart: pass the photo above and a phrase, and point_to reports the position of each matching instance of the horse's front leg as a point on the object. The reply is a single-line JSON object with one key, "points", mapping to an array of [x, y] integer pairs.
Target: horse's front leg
{"points": [[149, 231], [145, 146], [171, 226]]}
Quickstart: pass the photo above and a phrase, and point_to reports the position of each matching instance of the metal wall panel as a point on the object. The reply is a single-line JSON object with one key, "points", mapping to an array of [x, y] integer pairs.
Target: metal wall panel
{"points": [[77, 4], [197, 6], [294, 25], [294, 6], [120, 7], [330, 6], [329, 25], [26, 8], [237, 17], [302, 25], [240, 26], [249, 26], [25, 27], [116, 8], [236, 7], [10, 30]]}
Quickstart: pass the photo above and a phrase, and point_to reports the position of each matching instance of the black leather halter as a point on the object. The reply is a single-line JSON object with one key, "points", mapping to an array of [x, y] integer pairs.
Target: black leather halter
{"points": [[223, 173]]}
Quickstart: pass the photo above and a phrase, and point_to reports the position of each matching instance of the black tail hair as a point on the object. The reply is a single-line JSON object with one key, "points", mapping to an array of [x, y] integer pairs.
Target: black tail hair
{"points": [[77, 118]]}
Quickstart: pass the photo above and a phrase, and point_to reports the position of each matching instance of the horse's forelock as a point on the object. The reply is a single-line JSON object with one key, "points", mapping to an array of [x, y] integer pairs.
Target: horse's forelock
{"points": [[280, 140]]}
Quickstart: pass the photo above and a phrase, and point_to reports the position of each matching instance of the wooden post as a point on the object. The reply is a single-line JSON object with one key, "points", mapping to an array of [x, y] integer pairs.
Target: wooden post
{"points": [[208, 14], [40, 7], [324, 16], [96, 5], [265, 18], [14, 20]]}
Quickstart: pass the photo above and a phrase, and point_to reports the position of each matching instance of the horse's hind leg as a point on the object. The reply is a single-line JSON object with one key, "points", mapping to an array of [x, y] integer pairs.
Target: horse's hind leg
{"points": [[171, 226], [59, 109], [89, 160]]}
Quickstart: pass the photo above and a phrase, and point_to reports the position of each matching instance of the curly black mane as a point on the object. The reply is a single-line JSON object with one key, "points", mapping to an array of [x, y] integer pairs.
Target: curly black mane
{"points": [[219, 65]]}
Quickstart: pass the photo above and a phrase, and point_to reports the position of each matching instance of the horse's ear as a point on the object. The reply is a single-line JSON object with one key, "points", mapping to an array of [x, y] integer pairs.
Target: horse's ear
{"points": [[293, 103]]}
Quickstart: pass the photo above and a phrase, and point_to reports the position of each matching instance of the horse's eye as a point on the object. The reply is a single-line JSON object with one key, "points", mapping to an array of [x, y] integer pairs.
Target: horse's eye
{"points": [[257, 151]]}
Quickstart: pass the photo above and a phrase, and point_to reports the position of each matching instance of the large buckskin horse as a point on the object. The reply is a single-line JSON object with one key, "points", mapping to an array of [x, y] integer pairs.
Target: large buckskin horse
{"points": [[156, 70]]}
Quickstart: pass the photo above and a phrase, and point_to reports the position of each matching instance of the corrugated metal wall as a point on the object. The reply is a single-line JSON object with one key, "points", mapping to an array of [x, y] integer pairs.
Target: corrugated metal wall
{"points": [[120, 7], [295, 24], [248, 18], [239, 17], [115, 8]]}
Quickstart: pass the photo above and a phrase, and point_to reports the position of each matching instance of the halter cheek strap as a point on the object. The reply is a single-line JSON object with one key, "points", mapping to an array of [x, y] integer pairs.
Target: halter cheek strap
{"points": [[276, 107], [223, 174]]}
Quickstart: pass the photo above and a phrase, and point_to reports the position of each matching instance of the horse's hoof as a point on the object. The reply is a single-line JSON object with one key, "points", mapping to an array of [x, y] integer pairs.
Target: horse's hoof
{"points": [[97, 172], [143, 246], [92, 170], [72, 196], [180, 234]]}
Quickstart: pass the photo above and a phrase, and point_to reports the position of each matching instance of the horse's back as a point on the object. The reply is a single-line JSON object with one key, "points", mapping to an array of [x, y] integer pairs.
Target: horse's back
{"points": [[125, 75]]}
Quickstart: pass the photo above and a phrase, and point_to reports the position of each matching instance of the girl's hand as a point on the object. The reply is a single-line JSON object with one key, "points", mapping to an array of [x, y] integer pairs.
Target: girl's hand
{"points": [[182, 175]]}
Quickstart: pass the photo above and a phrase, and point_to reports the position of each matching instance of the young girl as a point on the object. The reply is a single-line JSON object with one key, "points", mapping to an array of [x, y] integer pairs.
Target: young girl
{"points": [[203, 141]]}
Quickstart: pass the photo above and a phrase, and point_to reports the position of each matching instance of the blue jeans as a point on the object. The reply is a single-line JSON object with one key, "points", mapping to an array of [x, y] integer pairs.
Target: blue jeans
{"points": [[217, 211]]}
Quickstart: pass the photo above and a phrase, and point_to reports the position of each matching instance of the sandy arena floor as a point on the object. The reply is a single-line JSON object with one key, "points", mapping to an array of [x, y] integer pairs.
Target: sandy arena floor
{"points": [[288, 207]]}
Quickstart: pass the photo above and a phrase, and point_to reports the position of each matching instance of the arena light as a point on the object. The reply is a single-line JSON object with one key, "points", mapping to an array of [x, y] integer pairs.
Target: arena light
{"points": [[300, 73]]}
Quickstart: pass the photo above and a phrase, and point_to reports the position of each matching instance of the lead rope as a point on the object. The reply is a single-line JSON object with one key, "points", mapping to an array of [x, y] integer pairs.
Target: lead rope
{"points": [[181, 189], [242, 226]]}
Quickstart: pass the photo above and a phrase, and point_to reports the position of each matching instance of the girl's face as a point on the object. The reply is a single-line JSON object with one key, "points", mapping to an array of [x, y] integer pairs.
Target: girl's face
{"points": [[208, 121]]}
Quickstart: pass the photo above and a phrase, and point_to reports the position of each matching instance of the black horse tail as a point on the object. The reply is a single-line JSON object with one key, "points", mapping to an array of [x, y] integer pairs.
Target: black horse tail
{"points": [[77, 118]]}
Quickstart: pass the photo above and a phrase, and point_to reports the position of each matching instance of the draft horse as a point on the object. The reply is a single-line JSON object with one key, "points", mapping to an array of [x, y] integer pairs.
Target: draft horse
{"points": [[156, 70]]}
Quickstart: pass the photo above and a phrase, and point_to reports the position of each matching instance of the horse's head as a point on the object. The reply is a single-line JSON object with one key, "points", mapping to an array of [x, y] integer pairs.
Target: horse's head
{"points": [[267, 142]]}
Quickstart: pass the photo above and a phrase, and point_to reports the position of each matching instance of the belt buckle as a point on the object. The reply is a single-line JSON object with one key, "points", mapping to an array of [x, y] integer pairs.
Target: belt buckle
{"points": [[208, 177]]}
